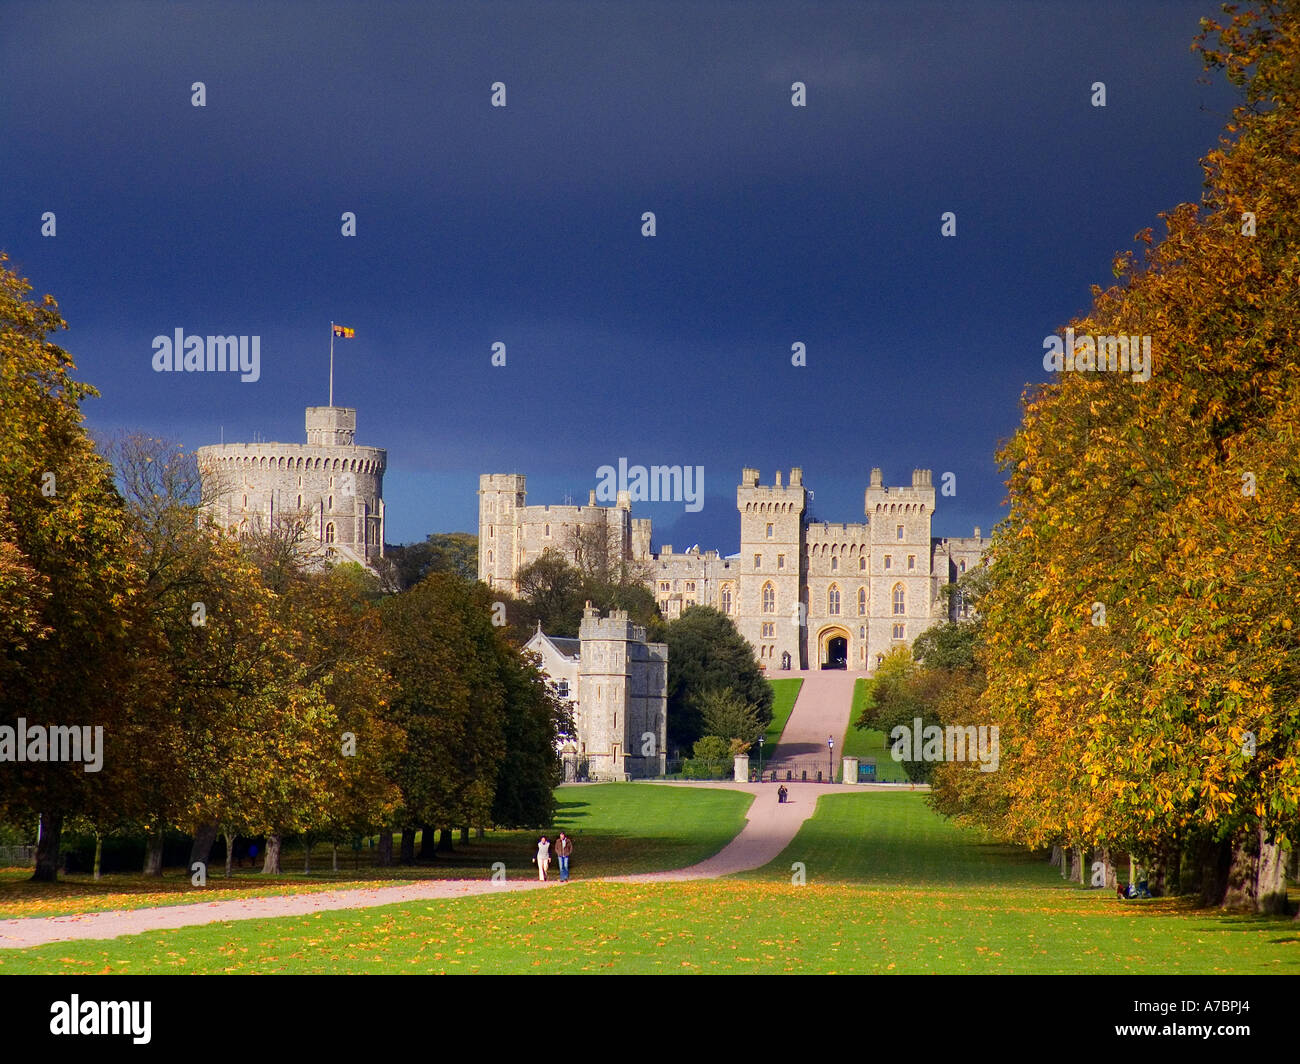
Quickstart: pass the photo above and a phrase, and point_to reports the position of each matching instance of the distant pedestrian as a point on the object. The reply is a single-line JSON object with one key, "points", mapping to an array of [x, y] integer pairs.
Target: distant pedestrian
{"points": [[543, 858], [563, 849]]}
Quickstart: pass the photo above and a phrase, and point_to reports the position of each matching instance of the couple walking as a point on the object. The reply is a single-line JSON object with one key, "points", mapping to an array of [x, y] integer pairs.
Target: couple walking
{"points": [[563, 849]]}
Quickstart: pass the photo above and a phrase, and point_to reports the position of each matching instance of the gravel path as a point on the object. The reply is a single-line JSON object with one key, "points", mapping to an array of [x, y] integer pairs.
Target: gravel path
{"points": [[767, 832]]}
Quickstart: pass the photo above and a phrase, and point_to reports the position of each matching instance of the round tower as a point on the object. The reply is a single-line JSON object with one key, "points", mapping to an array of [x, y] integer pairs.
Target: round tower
{"points": [[329, 486]]}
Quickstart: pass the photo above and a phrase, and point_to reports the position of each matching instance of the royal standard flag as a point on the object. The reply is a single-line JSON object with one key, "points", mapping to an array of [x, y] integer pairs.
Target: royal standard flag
{"points": [[344, 331]]}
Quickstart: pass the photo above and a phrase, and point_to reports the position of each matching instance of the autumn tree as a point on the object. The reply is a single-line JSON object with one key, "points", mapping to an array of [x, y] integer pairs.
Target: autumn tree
{"points": [[1140, 645]]}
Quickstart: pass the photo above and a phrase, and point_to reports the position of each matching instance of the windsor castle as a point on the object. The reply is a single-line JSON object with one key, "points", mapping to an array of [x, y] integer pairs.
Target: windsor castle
{"points": [[805, 594]]}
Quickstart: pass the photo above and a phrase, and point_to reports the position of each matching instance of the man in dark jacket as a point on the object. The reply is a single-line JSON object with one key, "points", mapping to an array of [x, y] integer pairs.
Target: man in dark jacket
{"points": [[563, 848]]}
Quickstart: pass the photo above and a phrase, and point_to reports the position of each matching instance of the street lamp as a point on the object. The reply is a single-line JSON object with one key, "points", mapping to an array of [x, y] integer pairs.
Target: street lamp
{"points": [[830, 748], [760, 759]]}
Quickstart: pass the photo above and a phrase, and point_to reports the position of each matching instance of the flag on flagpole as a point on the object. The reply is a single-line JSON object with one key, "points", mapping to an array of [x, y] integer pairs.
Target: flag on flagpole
{"points": [[344, 331]]}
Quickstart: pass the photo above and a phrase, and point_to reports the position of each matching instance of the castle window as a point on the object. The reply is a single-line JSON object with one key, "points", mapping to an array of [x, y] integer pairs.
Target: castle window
{"points": [[862, 634], [562, 688], [898, 631], [900, 601], [299, 502], [329, 532], [769, 531], [726, 599], [833, 601], [900, 531], [780, 561], [245, 502], [862, 602], [758, 561], [665, 586], [835, 565], [489, 557], [911, 561], [331, 502], [769, 598], [769, 630], [690, 585], [862, 563], [963, 567], [888, 561]]}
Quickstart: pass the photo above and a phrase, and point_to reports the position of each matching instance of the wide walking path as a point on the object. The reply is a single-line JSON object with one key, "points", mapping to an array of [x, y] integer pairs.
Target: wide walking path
{"points": [[821, 712], [769, 829]]}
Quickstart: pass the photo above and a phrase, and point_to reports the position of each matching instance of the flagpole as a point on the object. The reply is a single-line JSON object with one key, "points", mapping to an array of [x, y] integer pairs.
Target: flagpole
{"points": [[331, 363]]}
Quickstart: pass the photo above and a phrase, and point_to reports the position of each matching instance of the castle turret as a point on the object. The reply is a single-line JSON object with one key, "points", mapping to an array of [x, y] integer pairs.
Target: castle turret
{"points": [[772, 565]]}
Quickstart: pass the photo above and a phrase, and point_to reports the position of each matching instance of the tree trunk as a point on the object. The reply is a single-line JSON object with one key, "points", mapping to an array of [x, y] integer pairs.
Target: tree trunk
{"points": [[1056, 860], [478, 834], [428, 848], [1076, 865], [306, 855], [334, 855], [271, 860], [153, 854], [99, 852], [408, 846], [230, 852], [201, 849], [1270, 878], [1213, 861], [464, 834], [47, 848], [444, 840], [384, 851]]}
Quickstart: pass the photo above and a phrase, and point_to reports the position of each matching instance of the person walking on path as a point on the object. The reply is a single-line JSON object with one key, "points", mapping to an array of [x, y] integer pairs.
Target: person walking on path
{"points": [[563, 848], [543, 858]]}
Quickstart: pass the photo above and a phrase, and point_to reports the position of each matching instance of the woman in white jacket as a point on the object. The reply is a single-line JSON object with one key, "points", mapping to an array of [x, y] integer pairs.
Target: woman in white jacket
{"points": [[543, 858]]}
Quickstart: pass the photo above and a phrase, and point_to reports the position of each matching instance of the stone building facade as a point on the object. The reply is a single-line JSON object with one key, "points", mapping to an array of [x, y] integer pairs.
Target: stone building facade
{"points": [[804, 594], [331, 486], [512, 534], [616, 684]]}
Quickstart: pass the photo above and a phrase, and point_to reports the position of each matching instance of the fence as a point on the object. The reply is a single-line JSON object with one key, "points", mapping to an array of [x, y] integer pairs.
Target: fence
{"points": [[17, 856]]}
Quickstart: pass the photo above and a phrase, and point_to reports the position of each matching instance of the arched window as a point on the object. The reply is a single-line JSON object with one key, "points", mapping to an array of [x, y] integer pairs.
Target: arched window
{"points": [[548, 531], [835, 564], [900, 601], [331, 502], [726, 598], [329, 532], [862, 602], [489, 557], [833, 601], [299, 502], [862, 563], [769, 598]]}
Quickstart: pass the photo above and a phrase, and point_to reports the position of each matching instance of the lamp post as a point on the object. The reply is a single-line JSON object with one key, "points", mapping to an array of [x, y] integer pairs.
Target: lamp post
{"points": [[760, 759], [830, 748]]}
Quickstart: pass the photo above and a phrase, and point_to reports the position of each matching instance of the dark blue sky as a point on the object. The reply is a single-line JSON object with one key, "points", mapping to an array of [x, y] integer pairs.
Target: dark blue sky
{"points": [[522, 224]]}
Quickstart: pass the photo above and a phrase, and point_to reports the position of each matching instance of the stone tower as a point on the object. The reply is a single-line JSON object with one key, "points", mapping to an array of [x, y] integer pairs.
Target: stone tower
{"points": [[900, 593], [772, 608], [500, 498], [330, 486], [622, 689]]}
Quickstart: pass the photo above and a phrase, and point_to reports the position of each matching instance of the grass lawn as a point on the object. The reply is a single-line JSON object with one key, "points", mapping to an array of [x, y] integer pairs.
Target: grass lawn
{"points": [[870, 743], [617, 828], [784, 692], [890, 888]]}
